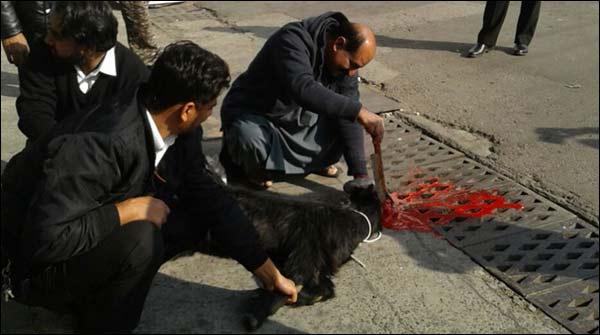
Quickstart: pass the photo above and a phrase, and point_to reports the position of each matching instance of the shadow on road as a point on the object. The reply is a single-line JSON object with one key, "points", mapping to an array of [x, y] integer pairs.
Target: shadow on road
{"points": [[559, 135], [176, 306], [173, 306], [382, 41]]}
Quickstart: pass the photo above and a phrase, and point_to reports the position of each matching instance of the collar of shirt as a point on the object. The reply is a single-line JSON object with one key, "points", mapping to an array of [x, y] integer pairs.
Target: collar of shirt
{"points": [[160, 145], [108, 66]]}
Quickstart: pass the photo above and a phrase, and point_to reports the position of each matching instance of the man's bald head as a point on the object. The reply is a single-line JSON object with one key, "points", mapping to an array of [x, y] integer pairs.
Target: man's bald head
{"points": [[353, 41]]}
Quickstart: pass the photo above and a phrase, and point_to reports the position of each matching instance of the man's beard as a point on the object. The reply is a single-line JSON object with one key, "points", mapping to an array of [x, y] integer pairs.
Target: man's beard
{"points": [[75, 59]]}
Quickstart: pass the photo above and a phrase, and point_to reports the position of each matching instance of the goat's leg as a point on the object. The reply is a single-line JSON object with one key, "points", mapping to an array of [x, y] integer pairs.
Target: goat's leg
{"points": [[316, 292]]}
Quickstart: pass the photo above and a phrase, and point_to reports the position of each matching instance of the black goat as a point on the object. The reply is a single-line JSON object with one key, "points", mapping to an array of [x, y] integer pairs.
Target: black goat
{"points": [[307, 241]]}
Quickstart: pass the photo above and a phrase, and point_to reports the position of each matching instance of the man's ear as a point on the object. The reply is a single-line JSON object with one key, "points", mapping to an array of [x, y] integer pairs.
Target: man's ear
{"points": [[186, 112], [339, 43]]}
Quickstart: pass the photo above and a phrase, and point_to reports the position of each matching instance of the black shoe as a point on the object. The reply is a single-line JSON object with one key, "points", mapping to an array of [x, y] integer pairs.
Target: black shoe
{"points": [[478, 50], [520, 50]]}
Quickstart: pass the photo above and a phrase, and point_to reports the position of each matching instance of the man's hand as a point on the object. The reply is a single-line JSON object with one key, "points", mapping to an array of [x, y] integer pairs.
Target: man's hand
{"points": [[16, 49], [372, 123], [272, 280], [143, 208]]}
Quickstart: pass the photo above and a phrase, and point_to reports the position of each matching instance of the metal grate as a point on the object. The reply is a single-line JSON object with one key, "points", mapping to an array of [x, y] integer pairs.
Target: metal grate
{"points": [[575, 305], [542, 251], [461, 172], [415, 152], [396, 130], [465, 232], [537, 212], [541, 258]]}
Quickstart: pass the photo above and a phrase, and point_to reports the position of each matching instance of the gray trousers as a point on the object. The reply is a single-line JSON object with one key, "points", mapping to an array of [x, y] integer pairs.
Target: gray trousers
{"points": [[254, 143]]}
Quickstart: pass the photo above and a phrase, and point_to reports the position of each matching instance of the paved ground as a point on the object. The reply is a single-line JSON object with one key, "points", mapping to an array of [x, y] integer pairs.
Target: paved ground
{"points": [[413, 283]]}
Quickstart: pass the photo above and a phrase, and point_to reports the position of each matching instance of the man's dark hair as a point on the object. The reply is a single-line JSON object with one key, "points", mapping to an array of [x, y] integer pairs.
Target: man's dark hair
{"points": [[89, 23], [182, 73], [347, 30]]}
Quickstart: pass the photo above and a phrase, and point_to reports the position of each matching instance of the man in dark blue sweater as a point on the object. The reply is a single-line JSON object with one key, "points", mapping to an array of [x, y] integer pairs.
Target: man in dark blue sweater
{"points": [[79, 66], [296, 109]]}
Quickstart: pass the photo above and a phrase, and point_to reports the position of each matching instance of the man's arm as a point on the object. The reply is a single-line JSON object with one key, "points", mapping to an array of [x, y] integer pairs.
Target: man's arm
{"points": [[13, 40], [295, 73], [37, 102], [10, 21], [207, 198]]}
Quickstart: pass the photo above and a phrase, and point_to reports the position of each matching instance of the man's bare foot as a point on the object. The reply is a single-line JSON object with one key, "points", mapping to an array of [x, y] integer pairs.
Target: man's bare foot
{"points": [[331, 172]]}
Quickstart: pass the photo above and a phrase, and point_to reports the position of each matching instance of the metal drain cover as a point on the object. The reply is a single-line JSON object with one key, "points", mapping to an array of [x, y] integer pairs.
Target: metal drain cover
{"points": [[543, 257], [575, 305], [461, 172]]}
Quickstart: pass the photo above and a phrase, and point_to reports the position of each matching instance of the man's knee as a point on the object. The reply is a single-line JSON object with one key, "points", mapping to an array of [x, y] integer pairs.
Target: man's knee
{"points": [[247, 135], [248, 143], [147, 246]]}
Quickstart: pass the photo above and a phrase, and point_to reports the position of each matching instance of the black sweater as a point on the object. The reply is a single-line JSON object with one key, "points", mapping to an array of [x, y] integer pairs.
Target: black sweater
{"points": [[288, 76], [49, 89], [66, 187]]}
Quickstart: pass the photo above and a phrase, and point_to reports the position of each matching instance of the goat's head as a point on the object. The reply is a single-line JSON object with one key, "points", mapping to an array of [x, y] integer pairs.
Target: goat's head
{"points": [[365, 200]]}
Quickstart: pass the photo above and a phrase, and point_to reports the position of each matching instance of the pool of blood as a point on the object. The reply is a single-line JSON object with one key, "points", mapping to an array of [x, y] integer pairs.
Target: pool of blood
{"points": [[439, 203]]}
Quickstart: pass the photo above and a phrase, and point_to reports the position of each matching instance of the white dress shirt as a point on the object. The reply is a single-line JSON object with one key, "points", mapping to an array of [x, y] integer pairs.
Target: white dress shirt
{"points": [[108, 66], [160, 145]]}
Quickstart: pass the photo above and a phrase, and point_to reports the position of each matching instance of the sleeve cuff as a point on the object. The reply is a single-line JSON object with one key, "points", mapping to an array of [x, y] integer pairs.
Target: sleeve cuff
{"points": [[109, 215], [254, 261]]}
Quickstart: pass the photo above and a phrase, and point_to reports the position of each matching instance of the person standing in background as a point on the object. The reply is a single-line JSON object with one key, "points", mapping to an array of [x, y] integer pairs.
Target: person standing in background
{"points": [[23, 25], [493, 17], [137, 22]]}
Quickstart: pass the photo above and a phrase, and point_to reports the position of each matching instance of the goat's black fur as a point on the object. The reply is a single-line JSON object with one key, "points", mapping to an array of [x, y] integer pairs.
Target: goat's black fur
{"points": [[310, 241]]}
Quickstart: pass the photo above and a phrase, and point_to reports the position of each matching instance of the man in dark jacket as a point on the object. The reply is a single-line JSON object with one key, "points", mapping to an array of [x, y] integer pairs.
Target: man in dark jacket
{"points": [[296, 109], [90, 211], [23, 24], [80, 66]]}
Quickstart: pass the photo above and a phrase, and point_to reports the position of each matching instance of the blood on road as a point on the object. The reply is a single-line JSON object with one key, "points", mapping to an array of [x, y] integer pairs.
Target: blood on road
{"points": [[438, 203]]}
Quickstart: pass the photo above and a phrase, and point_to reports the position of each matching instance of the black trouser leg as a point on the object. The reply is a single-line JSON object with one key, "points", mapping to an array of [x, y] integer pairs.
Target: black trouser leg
{"points": [[493, 17], [528, 18], [107, 285]]}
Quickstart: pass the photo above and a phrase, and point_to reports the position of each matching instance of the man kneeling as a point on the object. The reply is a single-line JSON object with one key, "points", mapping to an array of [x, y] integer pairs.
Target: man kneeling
{"points": [[296, 109], [89, 216]]}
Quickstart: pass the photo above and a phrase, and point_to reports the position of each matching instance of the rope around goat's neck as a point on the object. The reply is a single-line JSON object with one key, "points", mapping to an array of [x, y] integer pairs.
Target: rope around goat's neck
{"points": [[366, 240]]}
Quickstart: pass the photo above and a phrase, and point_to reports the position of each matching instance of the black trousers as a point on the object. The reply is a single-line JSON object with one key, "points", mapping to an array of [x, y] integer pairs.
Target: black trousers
{"points": [[493, 17], [107, 286]]}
